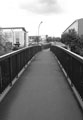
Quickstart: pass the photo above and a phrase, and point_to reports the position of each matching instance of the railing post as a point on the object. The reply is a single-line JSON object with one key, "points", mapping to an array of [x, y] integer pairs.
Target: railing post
{"points": [[12, 63], [10, 71], [1, 79]]}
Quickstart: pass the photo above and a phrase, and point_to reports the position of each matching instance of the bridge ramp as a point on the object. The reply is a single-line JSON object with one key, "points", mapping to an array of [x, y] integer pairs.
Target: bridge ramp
{"points": [[41, 93]]}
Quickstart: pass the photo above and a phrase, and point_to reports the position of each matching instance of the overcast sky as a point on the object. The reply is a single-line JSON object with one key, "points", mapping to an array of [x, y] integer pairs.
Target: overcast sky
{"points": [[56, 15]]}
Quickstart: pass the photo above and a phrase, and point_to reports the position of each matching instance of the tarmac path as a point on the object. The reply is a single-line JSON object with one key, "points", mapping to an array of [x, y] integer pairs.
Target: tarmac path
{"points": [[41, 93]]}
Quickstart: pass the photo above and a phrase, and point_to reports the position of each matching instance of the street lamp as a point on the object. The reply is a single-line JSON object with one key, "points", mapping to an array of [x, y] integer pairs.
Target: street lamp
{"points": [[13, 35], [39, 28]]}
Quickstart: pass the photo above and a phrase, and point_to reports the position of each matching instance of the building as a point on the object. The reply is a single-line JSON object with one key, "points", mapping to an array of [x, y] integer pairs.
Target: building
{"points": [[16, 35], [34, 39], [77, 25]]}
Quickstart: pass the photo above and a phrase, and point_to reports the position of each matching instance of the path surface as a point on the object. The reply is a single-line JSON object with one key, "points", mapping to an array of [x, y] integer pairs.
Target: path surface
{"points": [[41, 93]]}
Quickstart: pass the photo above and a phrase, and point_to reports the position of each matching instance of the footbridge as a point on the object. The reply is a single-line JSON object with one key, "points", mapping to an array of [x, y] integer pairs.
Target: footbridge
{"points": [[41, 83]]}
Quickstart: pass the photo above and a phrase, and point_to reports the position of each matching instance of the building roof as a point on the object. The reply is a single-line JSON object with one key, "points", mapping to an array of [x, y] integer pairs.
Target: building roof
{"points": [[69, 26], [23, 28], [73, 23]]}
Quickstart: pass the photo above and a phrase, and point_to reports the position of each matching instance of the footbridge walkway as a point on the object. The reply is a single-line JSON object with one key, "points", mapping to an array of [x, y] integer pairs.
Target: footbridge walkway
{"points": [[42, 92]]}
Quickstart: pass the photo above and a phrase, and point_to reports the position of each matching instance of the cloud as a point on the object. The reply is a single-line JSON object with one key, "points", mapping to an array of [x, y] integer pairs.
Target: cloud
{"points": [[42, 7], [48, 2]]}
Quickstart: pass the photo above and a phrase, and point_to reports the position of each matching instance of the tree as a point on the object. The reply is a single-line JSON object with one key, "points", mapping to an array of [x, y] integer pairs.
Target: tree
{"points": [[56, 39], [71, 39], [4, 41], [36, 39], [49, 39]]}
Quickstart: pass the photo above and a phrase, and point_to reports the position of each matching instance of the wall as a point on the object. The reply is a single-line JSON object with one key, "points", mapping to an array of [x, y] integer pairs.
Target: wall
{"points": [[15, 35], [74, 25], [80, 26], [19, 35]]}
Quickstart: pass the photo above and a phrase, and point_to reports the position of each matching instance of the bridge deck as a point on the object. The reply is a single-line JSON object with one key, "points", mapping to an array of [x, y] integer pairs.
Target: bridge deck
{"points": [[41, 93]]}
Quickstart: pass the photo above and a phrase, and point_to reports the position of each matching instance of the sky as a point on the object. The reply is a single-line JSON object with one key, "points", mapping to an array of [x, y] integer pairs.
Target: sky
{"points": [[56, 15]]}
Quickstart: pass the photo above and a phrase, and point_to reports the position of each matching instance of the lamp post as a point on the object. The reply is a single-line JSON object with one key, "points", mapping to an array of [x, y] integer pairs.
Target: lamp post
{"points": [[39, 28], [13, 35]]}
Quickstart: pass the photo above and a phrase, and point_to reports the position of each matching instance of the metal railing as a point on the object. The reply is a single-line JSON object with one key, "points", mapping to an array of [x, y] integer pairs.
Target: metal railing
{"points": [[72, 64], [46, 45], [12, 63]]}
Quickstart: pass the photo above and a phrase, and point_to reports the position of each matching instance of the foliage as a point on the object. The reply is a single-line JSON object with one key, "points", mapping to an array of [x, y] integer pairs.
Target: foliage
{"points": [[49, 39], [53, 39], [36, 39], [74, 41], [70, 38], [4, 44], [56, 39]]}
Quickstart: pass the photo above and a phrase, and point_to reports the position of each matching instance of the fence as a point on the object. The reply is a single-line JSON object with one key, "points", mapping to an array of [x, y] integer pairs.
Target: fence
{"points": [[12, 63], [73, 65]]}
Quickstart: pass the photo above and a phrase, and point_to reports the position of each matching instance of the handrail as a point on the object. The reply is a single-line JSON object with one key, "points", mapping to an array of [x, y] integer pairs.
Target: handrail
{"points": [[80, 58], [72, 64], [12, 63], [14, 52]]}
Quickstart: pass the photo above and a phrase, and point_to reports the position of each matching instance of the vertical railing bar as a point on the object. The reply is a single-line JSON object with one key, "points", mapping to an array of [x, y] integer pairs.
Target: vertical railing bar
{"points": [[11, 71], [1, 78], [19, 59]]}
